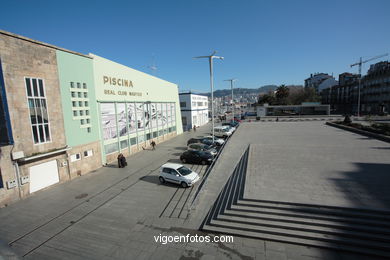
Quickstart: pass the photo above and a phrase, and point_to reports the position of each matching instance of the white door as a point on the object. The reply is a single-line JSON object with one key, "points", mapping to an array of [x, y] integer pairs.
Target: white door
{"points": [[43, 175]]}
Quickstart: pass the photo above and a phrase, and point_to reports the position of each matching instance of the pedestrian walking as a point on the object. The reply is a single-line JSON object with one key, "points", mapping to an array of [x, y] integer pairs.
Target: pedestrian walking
{"points": [[153, 144], [194, 128]]}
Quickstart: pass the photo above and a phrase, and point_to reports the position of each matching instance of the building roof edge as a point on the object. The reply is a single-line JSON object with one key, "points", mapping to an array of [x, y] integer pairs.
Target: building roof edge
{"points": [[42, 43]]}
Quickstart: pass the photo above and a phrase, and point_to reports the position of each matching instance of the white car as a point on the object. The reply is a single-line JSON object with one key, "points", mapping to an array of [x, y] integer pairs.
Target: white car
{"points": [[222, 131], [219, 141], [177, 173]]}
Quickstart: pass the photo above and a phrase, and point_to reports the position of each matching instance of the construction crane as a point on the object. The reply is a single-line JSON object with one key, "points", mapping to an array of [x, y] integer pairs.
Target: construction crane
{"points": [[360, 63]]}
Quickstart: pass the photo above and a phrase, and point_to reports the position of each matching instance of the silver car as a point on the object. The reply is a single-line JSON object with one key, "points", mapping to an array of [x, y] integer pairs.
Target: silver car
{"points": [[179, 174]]}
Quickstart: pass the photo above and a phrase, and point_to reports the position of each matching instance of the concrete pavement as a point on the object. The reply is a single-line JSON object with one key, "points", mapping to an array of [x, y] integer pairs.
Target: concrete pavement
{"points": [[115, 213]]}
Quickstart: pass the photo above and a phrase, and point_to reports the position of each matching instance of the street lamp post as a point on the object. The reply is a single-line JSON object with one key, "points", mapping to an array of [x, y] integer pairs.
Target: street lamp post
{"points": [[231, 86], [211, 57]]}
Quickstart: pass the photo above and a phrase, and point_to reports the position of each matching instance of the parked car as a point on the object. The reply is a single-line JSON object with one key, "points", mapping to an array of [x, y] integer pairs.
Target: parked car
{"points": [[202, 147], [222, 131], [203, 141], [198, 157], [229, 125], [218, 141], [177, 173], [194, 141]]}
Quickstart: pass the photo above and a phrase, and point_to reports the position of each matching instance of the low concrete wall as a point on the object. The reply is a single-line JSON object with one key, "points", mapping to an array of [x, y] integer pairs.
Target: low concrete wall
{"points": [[362, 132]]}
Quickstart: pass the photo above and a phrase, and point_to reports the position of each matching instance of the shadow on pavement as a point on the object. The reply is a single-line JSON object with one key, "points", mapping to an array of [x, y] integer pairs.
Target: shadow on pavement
{"points": [[371, 180], [381, 148]]}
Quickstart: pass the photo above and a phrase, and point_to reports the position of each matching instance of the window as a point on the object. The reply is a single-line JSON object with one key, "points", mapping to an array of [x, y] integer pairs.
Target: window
{"points": [[75, 157], [148, 136], [39, 118], [79, 94], [85, 95], [73, 94], [88, 129], [169, 171], [80, 103], [183, 104], [133, 141], [84, 85], [111, 148], [82, 121], [124, 144], [75, 113], [88, 121], [200, 104], [108, 120], [194, 104], [81, 112], [72, 84], [78, 85], [88, 153], [155, 134], [74, 104], [86, 103], [87, 112]]}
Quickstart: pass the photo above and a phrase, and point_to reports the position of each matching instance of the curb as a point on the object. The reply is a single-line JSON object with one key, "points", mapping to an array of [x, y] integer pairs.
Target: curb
{"points": [[380, 137]]}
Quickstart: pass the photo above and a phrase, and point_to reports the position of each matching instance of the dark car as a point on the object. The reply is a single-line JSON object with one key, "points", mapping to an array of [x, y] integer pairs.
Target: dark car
{"points": [[194, 141], [198, 157], [203, 141]]}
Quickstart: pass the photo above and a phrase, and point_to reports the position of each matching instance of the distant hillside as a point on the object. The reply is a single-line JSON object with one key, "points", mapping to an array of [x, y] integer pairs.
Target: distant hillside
{"points": [[242, 91]]}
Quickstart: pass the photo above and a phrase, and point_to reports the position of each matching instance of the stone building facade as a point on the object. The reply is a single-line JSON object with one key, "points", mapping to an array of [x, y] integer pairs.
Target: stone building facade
{"points": [[35, 114], [64, 114]]}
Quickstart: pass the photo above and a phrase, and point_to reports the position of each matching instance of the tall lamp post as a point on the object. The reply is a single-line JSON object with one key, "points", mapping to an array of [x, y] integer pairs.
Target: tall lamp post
{"points": [[211, 57], [231, 86]]}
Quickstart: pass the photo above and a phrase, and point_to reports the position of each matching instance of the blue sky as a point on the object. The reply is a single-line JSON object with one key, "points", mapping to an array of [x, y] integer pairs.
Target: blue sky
{"points": [[263, 42]]}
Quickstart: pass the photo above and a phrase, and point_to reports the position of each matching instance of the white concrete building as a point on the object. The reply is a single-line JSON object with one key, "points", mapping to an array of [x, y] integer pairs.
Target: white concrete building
{"points": [[194, 110]]}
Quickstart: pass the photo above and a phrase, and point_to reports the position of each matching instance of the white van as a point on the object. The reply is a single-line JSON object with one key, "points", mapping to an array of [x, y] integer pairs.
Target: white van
{"points": [[222, 131]]}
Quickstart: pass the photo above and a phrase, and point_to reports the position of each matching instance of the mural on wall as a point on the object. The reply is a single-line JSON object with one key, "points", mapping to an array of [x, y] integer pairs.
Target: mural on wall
{"points": [[108, 120], [132, 116], [132, 122], [122, 119]]}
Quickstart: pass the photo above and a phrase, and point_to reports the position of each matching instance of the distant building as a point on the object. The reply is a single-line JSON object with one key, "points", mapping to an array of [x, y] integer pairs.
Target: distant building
{"points": [[320, 81], [342, 97], [306, 108], [194, 110], [374, 92]]}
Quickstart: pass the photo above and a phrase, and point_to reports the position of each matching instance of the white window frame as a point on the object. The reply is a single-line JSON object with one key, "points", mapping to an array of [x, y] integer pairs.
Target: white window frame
{"points": [[47, 110], [89, 153], [73, 157]]}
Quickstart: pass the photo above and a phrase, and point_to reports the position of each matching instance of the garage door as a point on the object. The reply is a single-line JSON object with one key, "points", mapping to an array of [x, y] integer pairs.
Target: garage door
{"points": [[43, 175]]}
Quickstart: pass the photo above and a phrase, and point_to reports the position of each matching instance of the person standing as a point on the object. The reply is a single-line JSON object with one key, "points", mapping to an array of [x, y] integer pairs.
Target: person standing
{"points": [[153, 144], [194, 128], [120, 160]]}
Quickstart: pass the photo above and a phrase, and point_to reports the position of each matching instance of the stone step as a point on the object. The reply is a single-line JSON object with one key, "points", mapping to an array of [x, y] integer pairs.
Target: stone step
{"points": [[300, 237], [250, 211], [338, 223], [344, 231], [369, 213]]}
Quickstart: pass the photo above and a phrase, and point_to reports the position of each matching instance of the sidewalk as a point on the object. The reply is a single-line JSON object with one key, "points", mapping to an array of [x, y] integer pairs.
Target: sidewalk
{"points": [[37, 218]]}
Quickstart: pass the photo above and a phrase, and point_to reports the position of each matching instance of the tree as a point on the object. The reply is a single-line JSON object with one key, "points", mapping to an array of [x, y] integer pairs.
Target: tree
{"points": [[281, 95], [266, 98]]}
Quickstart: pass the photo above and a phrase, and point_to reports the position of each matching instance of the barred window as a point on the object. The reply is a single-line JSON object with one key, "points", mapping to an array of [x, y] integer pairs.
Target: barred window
{"points": [[39, 118]]}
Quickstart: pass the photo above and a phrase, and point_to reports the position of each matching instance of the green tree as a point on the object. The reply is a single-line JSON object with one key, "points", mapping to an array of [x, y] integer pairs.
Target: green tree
{"points": [[267, 98], [281, 95]]}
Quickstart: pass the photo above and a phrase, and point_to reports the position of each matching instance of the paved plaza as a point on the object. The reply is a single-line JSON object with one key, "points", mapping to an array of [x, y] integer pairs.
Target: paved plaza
{"points": [[115, 213]]}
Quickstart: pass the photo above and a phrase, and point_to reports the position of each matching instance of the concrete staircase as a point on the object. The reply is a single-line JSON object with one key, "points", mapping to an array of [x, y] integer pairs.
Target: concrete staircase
{"points": [[356, 230]]}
